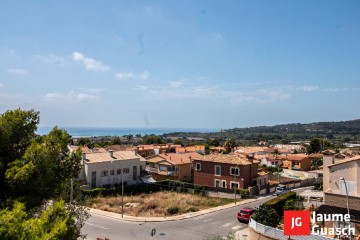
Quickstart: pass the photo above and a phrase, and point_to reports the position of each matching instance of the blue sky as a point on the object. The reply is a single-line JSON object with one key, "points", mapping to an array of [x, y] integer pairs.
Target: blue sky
{"points": [[185, 64]]}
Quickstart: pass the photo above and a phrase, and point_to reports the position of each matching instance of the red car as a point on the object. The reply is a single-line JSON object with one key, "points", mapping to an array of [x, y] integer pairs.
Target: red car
{"points": [[245, 214]]}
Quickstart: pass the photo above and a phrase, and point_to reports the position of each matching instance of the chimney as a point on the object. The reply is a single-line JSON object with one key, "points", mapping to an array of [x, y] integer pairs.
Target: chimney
{"points": [[111, 153], [83, 156]]}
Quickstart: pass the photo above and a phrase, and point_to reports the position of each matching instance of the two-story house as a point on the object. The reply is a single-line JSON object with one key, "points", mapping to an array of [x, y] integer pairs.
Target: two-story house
{"points": [[299, 162], [112, 167], [341, 185], [225, 171], [176, 166]]}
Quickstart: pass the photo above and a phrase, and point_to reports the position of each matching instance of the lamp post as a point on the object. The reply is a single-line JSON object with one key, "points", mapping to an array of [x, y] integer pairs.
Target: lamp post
{"points": [[122, 193], [235, 183], [347, 199], [122, 190]]}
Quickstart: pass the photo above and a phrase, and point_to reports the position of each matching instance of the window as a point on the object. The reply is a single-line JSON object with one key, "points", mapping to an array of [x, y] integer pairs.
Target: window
{"points": [[126, 170], [350, 187], [164, 168], [217, 183], [223, 183], [118, 171], [112, 172], [198, 166], [234, 171], [217, 170], [105, 173], [234, 184], [177, 169]]}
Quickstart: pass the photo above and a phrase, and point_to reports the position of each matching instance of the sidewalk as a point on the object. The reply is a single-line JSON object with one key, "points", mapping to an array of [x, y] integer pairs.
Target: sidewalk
{"points": [[174, 218]]}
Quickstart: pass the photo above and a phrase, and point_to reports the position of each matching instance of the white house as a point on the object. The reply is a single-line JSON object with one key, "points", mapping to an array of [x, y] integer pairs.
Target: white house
{"points": [[111, 167]]}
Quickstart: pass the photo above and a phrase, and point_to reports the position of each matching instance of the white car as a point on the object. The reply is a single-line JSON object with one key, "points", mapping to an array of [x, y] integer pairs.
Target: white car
{"points": [[281, 189]]}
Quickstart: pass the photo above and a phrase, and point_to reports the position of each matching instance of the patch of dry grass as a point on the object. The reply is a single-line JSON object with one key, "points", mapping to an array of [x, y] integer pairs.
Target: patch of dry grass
{"points": [[158, 204]]}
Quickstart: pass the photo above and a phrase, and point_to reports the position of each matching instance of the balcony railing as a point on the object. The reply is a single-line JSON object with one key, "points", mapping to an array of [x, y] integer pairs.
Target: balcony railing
{"points": [[152, 170]]}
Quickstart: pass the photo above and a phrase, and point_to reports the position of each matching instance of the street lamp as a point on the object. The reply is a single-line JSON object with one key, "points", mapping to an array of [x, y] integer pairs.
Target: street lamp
{"points": [[347, 199], [122, 190], [235, 183]]}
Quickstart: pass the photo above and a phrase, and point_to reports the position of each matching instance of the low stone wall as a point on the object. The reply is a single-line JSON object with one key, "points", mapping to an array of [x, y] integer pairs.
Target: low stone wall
{"points": [[339, 200]]}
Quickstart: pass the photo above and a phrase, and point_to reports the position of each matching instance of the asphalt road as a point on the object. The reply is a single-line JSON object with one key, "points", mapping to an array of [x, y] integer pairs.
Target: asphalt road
{"points": [[216, 223]]}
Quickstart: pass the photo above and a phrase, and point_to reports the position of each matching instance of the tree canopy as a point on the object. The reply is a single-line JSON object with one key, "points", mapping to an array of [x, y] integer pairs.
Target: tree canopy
{"points": [[34, 171]]}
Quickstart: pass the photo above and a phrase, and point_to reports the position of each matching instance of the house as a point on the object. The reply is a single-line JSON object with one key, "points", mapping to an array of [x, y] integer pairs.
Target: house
{"points": [[176, 166], [197, 148], [112, 167], [216, 149], [341, 176], [299, 162], [225, 171], [151, 150], [268, 160]]}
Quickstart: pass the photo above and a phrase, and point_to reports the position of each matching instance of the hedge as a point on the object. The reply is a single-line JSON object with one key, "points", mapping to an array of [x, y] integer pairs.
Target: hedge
{"points": [[279, 202]]}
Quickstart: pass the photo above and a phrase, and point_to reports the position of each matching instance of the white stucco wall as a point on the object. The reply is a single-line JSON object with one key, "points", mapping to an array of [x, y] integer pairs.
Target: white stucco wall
{"points": [[116, 178]]}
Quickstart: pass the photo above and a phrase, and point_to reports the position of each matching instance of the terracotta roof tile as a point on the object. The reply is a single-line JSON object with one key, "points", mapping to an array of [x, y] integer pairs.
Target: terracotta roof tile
{"points": [[221, 158]]}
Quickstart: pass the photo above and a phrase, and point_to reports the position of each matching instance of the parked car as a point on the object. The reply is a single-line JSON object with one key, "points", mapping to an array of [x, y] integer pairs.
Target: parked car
{"points": [[281, 189], [244, 214]]}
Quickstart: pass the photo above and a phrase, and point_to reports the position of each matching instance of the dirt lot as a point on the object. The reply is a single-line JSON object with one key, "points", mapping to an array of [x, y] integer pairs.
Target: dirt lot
{"points": [[158, 204]]}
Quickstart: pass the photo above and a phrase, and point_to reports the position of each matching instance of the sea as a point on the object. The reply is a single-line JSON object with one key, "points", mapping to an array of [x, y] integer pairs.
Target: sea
{"points": [[95, 132]]}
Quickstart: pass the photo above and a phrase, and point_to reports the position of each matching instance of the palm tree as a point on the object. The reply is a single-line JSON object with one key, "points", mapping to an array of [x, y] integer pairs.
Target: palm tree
{"points": [[229, 144]]}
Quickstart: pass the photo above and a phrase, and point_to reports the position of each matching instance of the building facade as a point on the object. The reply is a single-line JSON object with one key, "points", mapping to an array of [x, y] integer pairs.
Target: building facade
{"points": [[111, 168], [225, 171]]}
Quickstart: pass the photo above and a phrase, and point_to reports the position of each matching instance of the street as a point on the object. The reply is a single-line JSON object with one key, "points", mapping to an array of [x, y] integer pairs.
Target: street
{"points": [[216, 223]]}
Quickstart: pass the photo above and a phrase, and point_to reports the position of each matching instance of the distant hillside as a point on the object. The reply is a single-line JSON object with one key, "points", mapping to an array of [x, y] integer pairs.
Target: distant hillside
{"points": [[340, 131]]}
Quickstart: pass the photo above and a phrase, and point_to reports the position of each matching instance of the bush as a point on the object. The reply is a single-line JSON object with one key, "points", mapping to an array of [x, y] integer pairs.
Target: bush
{"points": [[293, 204], [173, 210], [266, 215], [278, 203], [318, 185], [245, 193]]}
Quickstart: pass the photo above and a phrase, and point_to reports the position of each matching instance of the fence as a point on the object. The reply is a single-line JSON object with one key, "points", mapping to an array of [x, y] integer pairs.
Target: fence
{"points": [[291, 182], [279, 234]]}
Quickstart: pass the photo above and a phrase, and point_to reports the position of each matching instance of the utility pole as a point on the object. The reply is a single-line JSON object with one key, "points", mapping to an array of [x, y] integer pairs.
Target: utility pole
{"points": [[122, 193]]}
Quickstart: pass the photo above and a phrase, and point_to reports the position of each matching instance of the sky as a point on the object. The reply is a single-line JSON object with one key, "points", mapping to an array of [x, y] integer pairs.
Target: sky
{"points": [[181, 64]]}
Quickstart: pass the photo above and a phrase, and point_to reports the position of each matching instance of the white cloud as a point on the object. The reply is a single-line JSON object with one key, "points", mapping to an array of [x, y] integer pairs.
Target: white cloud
{"points": [[17, 71], [89, 63], [71, 96], [52, 59], [308, 88], [336, 89], [215, 37], [192, 89], [131, 75]]}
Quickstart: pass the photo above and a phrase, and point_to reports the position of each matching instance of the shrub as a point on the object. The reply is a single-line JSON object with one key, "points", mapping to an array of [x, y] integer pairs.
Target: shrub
{"points": [[173, 210], [278, 203], [293, 204], [266, 215], [245, 193], [193, 209], [318, 185]]}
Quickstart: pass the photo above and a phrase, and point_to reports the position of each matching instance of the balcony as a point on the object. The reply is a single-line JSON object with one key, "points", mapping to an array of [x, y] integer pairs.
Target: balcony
{"points": [[151, 169]]}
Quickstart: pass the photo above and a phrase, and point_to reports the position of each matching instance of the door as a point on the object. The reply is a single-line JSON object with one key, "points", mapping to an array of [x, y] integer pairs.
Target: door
{"points": [[134, 173], [93, 179]]}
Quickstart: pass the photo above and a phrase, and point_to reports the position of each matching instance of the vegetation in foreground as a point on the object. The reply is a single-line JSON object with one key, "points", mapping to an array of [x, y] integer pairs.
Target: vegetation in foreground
{"points": [[158, 204], [35, 175]]}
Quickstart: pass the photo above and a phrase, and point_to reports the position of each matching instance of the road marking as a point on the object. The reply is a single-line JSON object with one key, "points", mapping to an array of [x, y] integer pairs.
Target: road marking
{"points": [[96, 226], [235, 228], [226, 225]]}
